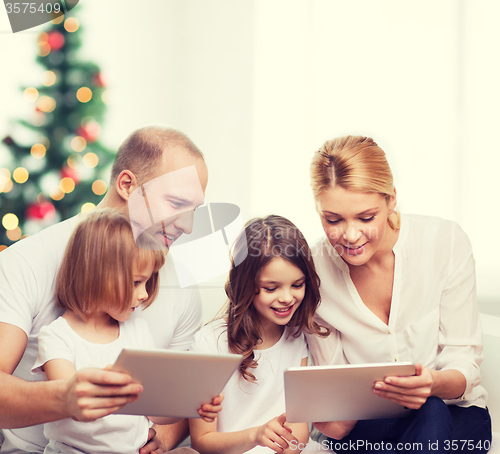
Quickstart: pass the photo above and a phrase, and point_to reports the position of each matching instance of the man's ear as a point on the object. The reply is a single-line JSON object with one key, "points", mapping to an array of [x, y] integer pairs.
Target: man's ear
{"points": [[126, 183]]}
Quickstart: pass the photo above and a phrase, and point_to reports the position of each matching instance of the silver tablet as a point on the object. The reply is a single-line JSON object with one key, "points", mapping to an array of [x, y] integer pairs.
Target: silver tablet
{"points": [[341, 393], [176, 383]]}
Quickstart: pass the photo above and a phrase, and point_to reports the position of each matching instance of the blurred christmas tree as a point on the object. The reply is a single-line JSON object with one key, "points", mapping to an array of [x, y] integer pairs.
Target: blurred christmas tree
{"points": [[57, 162]]}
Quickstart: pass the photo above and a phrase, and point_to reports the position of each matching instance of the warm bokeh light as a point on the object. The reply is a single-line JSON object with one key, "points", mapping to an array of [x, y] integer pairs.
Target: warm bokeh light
{"points": [[43, 37], [7, 186], [38, 151], [71, 25], [20, 175], [67, 185], [73, 161], [46, 104], [48, 78], [58, 20], [10, 221], [87, 207], [99, 187], [4, 175], [84, 94], [2, 247], [31, 94], [90, 160], [44, 49], [15, 234], [5, 181], [78, 143], [56, 193]]}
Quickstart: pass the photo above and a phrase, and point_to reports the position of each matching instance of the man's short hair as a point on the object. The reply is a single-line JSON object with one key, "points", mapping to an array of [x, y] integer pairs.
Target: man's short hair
{"points": [[142, 151]]}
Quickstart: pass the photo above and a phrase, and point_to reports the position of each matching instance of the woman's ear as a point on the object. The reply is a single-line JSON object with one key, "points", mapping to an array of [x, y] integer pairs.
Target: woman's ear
{"points": [[392, 202], [126, 183]]}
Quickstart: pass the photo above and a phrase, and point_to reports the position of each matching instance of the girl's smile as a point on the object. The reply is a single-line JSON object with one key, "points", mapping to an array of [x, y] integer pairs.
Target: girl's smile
{"points": [[282, 287], [283, 312]]}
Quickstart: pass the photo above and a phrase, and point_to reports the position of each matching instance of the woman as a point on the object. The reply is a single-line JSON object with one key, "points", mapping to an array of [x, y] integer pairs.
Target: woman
{"points": [[397, 288]]}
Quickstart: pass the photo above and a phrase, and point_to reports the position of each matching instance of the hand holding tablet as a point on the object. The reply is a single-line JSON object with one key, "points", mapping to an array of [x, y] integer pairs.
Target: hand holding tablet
{"points": [[341, 393], [176, 383]]}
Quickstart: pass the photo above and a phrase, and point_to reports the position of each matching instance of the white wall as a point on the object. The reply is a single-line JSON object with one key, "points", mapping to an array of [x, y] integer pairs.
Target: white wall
{"points": [[259, 85]]}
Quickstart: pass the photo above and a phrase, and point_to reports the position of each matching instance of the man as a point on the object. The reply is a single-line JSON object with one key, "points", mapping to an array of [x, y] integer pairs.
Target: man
{"points": [[27, 274]]}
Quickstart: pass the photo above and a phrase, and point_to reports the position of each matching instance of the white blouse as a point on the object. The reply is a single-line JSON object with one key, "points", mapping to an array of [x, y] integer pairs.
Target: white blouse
{"points": [[253, 404], [433, 317]]}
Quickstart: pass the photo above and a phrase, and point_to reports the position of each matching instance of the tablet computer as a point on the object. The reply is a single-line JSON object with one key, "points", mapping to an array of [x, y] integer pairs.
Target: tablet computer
{"points": [[340, 393], [176, 383]]}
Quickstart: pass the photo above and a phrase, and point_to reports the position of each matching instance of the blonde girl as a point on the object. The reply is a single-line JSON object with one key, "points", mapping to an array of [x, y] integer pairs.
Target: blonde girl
{"points": [[104, 277]]}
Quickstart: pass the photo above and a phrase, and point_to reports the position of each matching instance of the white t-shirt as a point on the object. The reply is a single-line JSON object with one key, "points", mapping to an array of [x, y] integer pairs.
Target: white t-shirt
{"points": [[123, 434], [28, 271], [252, 404], [433, 318]]}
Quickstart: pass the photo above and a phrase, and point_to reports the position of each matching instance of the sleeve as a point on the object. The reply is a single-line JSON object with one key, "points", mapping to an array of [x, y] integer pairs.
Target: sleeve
{"points": [[209, 339], [143, 336], [326, 350], [51, 345], [460, 334], [19, 290], [189, 321]]}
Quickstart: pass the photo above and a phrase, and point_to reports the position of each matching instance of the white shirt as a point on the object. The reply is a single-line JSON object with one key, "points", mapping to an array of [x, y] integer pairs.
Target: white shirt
{"points": [[252, 404], [28, 271], [433, 318], [124, 434]]}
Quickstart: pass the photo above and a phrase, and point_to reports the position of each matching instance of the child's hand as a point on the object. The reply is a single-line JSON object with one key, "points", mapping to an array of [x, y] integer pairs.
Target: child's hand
{"points": [[274, 434], [208, 412]]}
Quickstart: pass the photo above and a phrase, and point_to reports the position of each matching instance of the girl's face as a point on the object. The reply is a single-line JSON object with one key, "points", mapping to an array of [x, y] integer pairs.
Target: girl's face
{"points": [[141, 276], [282, 287], [355, 222]]}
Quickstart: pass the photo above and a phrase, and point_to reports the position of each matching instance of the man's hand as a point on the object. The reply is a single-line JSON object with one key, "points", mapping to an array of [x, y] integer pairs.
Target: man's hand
{"points": [[335, 429], [164, 438], [152, 445], [93, 393]]}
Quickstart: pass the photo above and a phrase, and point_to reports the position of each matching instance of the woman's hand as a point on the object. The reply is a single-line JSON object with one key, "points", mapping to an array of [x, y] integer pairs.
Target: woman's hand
{"points": [[411, 392], [274, 434], [208, 412], [335, 429]]}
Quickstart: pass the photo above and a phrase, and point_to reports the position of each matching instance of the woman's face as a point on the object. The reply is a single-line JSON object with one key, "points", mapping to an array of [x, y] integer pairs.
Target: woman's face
{"points": [[354, 222]]}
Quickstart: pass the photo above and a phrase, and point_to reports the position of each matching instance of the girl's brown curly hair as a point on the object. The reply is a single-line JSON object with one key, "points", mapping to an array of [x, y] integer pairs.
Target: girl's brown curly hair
{"points": [[262, 240]]}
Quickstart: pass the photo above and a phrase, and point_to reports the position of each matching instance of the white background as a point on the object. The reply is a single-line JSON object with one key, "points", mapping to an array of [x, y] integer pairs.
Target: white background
{"points": [[260, 85]]}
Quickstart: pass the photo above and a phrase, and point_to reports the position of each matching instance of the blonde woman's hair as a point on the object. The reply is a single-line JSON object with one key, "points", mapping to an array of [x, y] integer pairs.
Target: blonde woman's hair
{"points": [[97, 269], [354, 163]]}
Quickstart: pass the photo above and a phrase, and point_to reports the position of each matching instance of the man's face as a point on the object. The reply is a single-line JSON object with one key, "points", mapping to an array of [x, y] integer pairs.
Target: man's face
{"points": [[164, 206]]}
